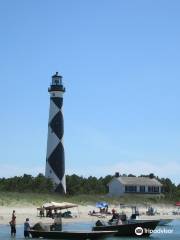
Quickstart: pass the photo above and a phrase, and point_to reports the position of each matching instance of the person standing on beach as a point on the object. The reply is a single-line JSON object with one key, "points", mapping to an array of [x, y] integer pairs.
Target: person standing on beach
{"points": [[13, 224], [26, 228]]}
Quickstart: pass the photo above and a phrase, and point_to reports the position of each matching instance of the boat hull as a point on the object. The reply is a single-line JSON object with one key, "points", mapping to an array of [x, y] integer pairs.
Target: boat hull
{"points": [[71, 235], [142, 229], [162, 222]]}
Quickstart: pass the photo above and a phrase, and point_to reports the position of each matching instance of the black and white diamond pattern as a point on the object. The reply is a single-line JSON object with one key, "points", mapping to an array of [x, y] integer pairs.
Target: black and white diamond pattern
{"points": [[55, 161]]}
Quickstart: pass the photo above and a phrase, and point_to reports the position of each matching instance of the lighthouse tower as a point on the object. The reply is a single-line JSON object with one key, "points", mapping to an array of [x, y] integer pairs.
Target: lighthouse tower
{"points": [[55, 161]]}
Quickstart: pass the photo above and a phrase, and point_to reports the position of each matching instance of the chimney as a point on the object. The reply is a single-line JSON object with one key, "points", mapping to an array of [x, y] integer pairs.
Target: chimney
{"points": [[117, 174]]}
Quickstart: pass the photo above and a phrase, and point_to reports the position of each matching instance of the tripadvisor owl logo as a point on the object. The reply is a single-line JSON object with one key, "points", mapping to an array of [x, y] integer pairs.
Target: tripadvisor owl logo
{"points": [[139, 231]]}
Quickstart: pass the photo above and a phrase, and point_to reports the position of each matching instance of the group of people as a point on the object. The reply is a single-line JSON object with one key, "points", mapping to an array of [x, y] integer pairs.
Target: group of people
{"points": [[13, 226], [49, 213]]}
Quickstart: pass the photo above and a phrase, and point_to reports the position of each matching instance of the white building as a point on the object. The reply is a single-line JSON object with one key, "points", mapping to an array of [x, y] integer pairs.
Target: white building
{"points": [[119, 186]]}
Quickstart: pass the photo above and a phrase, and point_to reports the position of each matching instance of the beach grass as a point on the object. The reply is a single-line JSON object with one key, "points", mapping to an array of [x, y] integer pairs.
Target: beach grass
{"points": [[37, 199]]}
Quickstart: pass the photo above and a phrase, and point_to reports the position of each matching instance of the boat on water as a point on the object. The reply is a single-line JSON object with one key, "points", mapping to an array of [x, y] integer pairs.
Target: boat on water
{"points": [[71, 234], [135, 217], [55, 231], [162, 222], [143, 229], [118, 225]]}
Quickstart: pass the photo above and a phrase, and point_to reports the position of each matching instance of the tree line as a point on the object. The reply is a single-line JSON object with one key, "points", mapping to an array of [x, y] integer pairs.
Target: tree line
{"points": [[26, 183], [76, 184]]}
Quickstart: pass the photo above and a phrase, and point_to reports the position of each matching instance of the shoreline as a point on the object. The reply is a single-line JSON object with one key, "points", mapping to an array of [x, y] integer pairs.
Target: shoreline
{"points": [[80, 214]]}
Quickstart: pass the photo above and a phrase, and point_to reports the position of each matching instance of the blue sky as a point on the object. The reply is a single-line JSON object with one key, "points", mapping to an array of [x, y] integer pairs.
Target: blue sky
{"points": [[120, 62]]}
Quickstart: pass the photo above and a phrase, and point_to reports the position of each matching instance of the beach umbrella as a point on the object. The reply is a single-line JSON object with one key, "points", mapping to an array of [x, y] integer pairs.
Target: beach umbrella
{"points": [[101, 205]]}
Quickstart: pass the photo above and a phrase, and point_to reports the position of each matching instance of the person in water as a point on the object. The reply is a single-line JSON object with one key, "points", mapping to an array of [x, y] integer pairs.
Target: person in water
{"points": [[26, 228], [13, 224]]}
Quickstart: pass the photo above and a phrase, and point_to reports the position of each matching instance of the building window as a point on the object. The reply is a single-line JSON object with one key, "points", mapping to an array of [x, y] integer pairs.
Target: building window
{"points": [[130, 189], [142, 189], [153, 189], [56, 81], [150, 189], [156, 189]]}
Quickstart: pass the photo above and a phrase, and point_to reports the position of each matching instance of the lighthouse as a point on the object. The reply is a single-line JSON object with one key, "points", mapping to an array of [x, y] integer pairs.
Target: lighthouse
{"points": [[55, 160]]}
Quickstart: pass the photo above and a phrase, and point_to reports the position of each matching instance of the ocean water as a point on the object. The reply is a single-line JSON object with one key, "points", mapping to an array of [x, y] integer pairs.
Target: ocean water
{"points": [[172, 231]]}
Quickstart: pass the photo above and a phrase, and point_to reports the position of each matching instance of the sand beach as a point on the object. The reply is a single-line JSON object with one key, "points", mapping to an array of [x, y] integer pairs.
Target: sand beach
{"points": [[80, 214]]}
